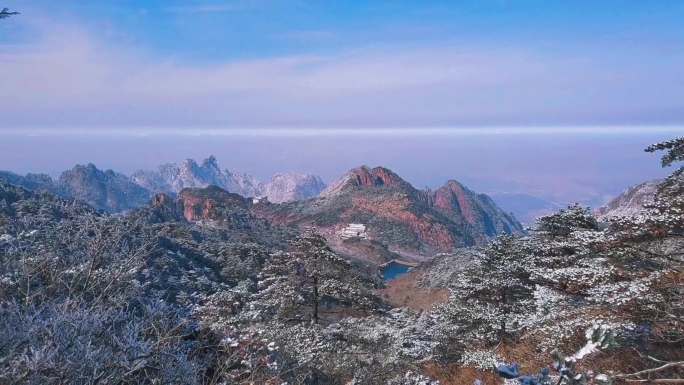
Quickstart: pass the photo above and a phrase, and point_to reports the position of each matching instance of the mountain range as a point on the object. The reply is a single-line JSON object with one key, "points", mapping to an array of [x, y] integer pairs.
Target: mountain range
{"points": [[398, 220], [115, 192], [103, 190]]}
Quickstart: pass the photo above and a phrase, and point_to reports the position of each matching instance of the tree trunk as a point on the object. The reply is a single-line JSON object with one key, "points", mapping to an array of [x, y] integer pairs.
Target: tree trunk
{"points": [[502, 326], [315, 299]]}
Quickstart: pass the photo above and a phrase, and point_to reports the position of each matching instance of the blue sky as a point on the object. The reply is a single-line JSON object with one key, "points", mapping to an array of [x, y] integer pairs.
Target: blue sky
{"points": [[201, 31], [242, 63]]}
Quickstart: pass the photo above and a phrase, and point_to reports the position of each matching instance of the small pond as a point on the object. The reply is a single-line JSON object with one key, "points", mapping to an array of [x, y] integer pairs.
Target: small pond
{"points": [[394, 270]]}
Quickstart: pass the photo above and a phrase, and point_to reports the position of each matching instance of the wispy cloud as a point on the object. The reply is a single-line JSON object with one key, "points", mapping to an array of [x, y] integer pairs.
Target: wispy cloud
{"points": [[69, 78]]}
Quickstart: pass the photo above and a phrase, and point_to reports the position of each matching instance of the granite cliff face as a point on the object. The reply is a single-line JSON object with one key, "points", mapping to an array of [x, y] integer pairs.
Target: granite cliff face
{"points": [[172, 178], [630, 202], [409, 222], [103, 190]]}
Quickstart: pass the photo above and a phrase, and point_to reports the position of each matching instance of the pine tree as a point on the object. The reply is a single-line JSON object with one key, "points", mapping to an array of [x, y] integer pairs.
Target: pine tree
{"points": [[675, 150], [311, 277], [490, 299]]}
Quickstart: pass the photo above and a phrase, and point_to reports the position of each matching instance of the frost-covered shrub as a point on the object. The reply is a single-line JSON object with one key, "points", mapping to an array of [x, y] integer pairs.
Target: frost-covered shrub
{"points": [[66, 342]]}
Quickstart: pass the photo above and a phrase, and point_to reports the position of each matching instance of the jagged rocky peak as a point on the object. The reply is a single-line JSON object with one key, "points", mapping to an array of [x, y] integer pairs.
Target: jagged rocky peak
{"points": [[363, 177], [289, 187], [190, 174], [172, 178], [630, 202], [104, 190], [478, 210]]}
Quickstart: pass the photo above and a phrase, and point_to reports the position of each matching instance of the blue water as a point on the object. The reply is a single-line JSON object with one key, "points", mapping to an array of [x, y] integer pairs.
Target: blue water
{"points": [[394, 270]]}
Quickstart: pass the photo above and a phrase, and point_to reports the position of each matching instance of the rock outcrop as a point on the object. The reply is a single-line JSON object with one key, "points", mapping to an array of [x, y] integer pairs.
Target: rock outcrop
{"points": [[210, 204]]}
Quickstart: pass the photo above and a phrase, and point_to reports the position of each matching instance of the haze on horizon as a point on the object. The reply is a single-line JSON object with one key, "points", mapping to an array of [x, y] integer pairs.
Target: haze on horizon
{"points": [[338, 85]]}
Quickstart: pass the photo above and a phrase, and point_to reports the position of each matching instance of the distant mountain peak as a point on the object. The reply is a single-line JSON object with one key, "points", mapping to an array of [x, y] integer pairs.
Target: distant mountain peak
{"points": [[104, 190], [630, 202], [363, 177]]}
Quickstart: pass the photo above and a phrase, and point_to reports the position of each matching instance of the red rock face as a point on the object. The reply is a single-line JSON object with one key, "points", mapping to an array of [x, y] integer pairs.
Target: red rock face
{"points": [[430, 231], [208, 203], [379, 176], [453, 200]]}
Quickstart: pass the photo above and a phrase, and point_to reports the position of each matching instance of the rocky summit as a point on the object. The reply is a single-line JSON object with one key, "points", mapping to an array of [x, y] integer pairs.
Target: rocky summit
{"points": [[399, 218]]}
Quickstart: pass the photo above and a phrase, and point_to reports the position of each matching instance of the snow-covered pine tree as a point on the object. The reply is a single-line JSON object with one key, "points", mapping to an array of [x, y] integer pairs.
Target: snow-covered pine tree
{"points": [[489, 300], [675, 150], [311, 280]]}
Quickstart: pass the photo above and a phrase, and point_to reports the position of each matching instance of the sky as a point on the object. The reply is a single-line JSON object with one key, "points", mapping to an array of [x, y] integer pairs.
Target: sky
{"points": [[553, 98], [251, 63]]}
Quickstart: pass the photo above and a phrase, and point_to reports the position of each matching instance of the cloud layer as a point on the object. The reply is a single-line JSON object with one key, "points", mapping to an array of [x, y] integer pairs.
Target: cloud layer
{"points": [[69, 78]]}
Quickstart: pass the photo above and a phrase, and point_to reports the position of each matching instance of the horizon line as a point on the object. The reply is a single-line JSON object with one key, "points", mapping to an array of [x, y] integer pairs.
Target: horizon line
{"points": [[288, 131]]}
